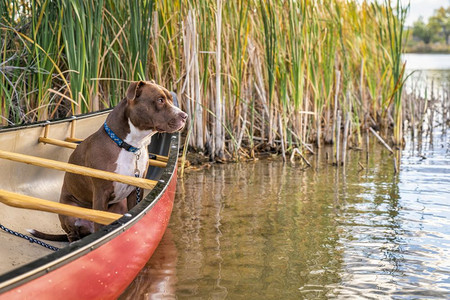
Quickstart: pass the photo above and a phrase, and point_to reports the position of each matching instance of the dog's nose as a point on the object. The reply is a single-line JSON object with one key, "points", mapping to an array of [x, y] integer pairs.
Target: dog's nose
{"points": [[183, 115]]}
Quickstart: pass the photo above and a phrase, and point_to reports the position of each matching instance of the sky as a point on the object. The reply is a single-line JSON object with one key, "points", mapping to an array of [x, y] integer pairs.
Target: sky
{"points": [[420, 8], [424, 8]]}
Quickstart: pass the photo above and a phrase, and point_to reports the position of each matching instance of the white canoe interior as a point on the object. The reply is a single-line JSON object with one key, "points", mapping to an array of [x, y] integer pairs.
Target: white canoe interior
{"points": [[39, 182]]}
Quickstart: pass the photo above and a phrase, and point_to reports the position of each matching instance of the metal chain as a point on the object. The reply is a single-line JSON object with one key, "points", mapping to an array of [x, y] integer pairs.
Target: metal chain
{"points": [[137, 174], [138, 194], [29, 238]]}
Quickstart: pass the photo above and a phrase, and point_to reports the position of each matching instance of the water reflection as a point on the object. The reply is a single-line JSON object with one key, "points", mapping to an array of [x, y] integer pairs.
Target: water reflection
{"points": [[158, 278], [252, 231], [269, 230]]}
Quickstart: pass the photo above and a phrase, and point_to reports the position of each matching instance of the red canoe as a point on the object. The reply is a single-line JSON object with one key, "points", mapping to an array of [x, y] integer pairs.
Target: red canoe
{"points": [[99, 266]]}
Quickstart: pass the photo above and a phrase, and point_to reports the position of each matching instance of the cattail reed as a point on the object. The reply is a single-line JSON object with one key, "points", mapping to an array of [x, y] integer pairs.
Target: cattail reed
{"points": [[245, 71]]}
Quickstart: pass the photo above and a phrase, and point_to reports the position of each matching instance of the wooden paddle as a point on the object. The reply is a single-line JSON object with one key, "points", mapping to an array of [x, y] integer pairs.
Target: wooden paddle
{"points": [[23, 201], [71, 168]]}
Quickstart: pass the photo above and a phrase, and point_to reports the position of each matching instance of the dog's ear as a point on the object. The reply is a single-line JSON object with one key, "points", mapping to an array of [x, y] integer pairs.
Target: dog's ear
{"points": [[134, 90]]}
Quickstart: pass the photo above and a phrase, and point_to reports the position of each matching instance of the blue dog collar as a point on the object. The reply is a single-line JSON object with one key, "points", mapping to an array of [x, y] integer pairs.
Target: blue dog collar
{"points": [[121, 143]]}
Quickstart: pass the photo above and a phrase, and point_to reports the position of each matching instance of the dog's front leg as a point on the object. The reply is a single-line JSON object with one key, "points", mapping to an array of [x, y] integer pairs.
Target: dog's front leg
{"points": [[131, 200], [100, 201]]}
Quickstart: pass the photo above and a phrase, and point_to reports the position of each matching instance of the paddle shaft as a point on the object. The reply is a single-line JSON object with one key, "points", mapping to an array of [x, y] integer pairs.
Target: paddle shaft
{"points": [[76, 169], [28, 202]]}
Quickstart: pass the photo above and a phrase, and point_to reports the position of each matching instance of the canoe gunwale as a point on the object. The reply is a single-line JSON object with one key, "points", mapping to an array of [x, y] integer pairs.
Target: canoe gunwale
{"points": [[56, 121], [55, 260]]}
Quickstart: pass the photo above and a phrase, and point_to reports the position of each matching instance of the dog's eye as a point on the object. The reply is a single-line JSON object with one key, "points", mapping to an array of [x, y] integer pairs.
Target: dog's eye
{"points": [[160, 100]]}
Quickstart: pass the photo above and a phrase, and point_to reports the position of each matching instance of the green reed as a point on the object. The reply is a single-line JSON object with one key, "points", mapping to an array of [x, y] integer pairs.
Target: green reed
{"points": [[283, 72], [139, 36], [396, 37]]}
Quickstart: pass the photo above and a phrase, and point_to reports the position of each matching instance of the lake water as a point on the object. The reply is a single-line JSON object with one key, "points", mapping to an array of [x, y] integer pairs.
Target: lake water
{"points": [[415, 61], [426, 71], [268, 230]]}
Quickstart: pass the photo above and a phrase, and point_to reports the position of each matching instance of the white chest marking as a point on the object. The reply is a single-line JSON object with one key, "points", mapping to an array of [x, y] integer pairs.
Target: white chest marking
{"points": [[126, 161]]}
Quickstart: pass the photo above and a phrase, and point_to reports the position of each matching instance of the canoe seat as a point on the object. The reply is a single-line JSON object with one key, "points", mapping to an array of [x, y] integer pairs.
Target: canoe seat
{"points": [[56, 142], [154, 160]]}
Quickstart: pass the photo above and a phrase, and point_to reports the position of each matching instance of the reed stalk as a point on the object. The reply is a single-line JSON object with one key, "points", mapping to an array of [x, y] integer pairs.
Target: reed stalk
{"points": [[219, 132], [191, 87], [396, 37], [141, 13]]}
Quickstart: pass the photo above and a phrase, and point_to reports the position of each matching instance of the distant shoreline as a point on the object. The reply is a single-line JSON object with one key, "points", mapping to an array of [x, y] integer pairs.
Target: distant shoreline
{"points": [[428, 48]]}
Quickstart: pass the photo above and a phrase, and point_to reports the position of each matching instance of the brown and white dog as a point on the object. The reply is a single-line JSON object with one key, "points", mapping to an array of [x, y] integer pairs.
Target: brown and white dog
{"points": [[147, 109]]}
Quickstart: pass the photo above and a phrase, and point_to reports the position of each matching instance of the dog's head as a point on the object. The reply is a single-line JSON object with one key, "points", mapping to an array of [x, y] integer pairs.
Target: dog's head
{"points": [[150, 107]]}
